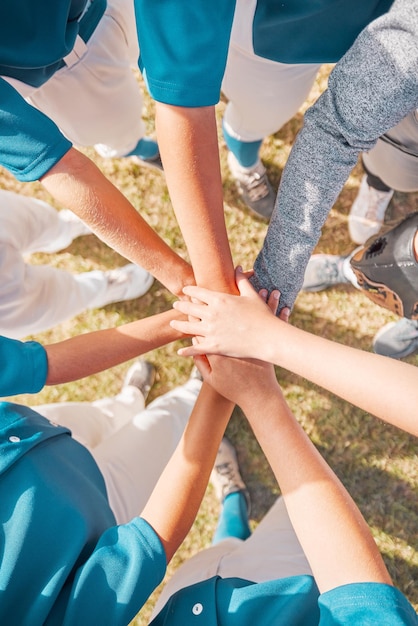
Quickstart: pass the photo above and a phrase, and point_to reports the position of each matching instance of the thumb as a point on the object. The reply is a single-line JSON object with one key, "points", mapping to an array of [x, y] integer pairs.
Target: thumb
{"points": [[243, 284], [203, 366]]}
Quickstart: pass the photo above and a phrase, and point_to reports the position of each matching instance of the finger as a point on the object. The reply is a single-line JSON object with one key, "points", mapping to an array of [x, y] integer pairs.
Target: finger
{"points": [[203, 366], [247, 273], [194, 350], [273, 301], [190, 308], [284, 314], [244, 286], [263, 293], [198, 293], [187, 327]]}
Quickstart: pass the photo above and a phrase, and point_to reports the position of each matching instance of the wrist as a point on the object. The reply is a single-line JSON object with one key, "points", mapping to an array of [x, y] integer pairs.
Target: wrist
{"points": [[261, 400], [182, 277], [264, 344]]}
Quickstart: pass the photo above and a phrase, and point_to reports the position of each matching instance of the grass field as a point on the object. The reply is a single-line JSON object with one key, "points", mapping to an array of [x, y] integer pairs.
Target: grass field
{"points": [[376, 462]]}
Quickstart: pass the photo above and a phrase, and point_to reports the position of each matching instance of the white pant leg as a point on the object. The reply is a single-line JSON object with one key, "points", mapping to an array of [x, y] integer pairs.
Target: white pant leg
{"points": [[263, 95], [394, 159], [272, 551], [132, 459], [34, 298], [93, 422], [31, 225], [98, 101]]}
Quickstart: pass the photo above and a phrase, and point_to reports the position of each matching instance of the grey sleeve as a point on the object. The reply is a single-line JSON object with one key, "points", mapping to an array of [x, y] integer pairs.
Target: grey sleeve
{"points": [[370, 90]]}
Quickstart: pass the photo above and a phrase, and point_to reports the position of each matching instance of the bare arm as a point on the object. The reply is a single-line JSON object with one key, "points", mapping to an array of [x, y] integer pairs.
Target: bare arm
{"points": [[78, 184], [244, 327], [325, 518], [176, 498], [94, 352], [188, 143]]}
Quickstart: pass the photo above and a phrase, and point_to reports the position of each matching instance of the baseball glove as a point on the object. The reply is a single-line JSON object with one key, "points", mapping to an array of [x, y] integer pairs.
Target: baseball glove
{"points": [[387, 270]]}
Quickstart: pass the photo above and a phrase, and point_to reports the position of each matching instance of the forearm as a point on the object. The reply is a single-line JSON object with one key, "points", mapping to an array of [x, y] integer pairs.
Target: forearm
{"points": [[94, 352], [79, 185], [177, 496], [315, 173], [333, 534], [188, 143], [321, 361], [370, 90]]}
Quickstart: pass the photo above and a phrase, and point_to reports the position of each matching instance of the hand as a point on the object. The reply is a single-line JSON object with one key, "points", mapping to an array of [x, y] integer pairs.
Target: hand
{"points": [[226, 324], [246, 382]]}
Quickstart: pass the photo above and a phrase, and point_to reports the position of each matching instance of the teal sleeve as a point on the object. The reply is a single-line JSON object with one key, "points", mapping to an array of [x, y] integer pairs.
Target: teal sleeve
{"points": [[366, 603], [24, 367], [30, 142], [183, 48], [126, 566]]}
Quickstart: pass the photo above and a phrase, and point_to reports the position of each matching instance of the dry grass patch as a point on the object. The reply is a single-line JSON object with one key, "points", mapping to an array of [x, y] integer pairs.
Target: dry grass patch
{"points": [[376, 462]]}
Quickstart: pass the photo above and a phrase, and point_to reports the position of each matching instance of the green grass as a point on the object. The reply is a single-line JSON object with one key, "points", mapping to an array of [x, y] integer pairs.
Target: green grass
{"points": [[376, 462]]}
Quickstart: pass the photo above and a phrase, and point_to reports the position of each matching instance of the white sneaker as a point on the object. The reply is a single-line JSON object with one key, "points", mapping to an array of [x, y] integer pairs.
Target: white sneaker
{"points": [[329, 270], [126, 283], [368, 212]]}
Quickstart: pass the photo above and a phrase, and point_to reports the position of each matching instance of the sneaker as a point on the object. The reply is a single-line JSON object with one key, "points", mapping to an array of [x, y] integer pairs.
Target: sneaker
{"points": [[327, 270], [147, 153], [324, 271], [153, 162], [140, 375], [253, 186], [127, 282], [397, 339], [225, 476], [368, 212]]}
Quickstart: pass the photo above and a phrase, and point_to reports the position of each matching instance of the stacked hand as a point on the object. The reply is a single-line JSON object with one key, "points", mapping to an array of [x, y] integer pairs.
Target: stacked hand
{"points": [[227, 324]]}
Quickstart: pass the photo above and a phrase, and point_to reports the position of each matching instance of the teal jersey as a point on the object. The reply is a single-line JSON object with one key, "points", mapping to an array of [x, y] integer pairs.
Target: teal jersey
{"points": [[24, 366], [183, 52], [318, 31], [64, 561], [34, 39], [292, 601], [184, 45]]}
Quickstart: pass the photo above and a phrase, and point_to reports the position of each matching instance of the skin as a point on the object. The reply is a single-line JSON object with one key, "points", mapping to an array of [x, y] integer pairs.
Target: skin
{"points": [[325, 518], [221, 321], [84, 355], [76, 183], [175, 501], [188, 142]]}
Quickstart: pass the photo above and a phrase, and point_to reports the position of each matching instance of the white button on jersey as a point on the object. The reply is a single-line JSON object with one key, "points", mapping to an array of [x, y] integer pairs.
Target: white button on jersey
{"points": [[14, 439], [197, 609]]}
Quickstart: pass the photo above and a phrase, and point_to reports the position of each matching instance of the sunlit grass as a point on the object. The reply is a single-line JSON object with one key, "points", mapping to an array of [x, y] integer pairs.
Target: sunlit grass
{"points": [[376, 462]]}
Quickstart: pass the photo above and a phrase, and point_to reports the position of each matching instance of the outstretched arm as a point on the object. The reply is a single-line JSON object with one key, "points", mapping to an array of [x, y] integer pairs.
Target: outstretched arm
{"points": [[245, 327], [176, 498], [325, 518], [78, 184], [28, 366], [188, 142], [87, 354]]}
